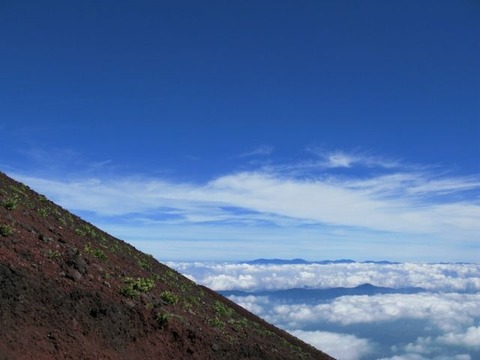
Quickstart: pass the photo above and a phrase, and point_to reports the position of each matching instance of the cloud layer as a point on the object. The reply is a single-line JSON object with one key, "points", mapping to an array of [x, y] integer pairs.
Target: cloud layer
{"points": [[246, 277], [340, 346], [422, 326], [442, 323]]}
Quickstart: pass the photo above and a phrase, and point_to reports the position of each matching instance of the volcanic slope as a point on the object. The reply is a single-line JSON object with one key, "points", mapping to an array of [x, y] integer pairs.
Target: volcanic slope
{"points": [[68, 290]]}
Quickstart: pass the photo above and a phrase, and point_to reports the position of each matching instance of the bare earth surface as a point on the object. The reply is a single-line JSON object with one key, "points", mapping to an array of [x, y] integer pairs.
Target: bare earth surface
{"points": [[71, 291]]}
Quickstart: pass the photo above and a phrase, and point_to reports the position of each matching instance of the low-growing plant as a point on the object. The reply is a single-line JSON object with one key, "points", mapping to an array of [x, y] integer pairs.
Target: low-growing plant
{"points": [[222, 310], [11, 202], [216, 322], [187, 306], [53, 254], [133, 287], [98, 253], [6, 230], [43, 212], [144, 264], [86, 231], [19, 190], [163, 318], [169, 297]]}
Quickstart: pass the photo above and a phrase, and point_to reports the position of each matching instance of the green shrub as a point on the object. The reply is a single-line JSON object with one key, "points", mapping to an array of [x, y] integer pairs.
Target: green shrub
{"points": [[43, 212], [216, 322], [169, 297], [11, 203], [144, 264], [98, 253], [223, 310], [6, 230], [53, 254], [162, 319], [86, 231], [133, 287]]}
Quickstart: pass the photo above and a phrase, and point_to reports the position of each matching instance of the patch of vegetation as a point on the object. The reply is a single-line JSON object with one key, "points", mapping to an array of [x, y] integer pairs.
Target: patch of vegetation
{"points": [[98, 253], [222, 309], [194, 301], [19, 190], [134, 287], [169, 297], [53, 254], [6, 230], [163, 318], [43, 212], [144, 263], [103, 240], [240, 324], [86, 231], [216, 322], [187, 306], [11, 202]]}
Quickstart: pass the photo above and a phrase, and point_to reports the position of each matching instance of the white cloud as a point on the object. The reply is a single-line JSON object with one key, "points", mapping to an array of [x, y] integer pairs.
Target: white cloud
{"points": [[439, 325], [254, 304], [380, 203], [342, 159], [233, 276], [340, 346], [447, 312], [451, 316], [449, 342], [420, 357], [259, 151], [469, 338]]}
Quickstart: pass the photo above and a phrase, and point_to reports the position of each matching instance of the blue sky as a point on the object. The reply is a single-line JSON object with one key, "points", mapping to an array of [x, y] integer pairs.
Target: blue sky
{"points": [[221, 130]]}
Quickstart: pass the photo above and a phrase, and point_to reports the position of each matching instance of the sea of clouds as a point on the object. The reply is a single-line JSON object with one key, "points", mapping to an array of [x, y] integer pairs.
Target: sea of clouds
{"points": [[440, 323]]}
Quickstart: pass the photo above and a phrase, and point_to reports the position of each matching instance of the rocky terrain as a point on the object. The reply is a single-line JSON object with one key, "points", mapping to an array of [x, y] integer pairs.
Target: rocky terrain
{"points": [[68, 290]]}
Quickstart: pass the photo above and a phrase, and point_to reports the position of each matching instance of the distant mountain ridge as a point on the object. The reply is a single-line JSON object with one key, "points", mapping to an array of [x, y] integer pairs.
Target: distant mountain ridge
{"points": [[320, 262]]}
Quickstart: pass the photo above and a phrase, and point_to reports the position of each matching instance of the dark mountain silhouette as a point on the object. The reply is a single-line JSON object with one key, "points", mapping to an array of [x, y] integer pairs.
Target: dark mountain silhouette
{"points": [[68, 290], [320, 262], [278, 262], [312, 296]]}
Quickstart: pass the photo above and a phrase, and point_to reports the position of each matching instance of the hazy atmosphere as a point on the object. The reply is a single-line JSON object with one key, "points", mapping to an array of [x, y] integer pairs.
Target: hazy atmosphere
{"points": [[213, 133]]}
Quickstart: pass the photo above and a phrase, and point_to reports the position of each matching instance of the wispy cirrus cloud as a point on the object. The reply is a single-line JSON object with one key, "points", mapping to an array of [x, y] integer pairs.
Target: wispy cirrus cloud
{"points": [[381, 204], [259, 151], [344, 159], [401, 201]]}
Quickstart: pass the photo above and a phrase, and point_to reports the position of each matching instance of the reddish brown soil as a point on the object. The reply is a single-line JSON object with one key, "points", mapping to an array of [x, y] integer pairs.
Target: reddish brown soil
{"points": [[65, 293]]}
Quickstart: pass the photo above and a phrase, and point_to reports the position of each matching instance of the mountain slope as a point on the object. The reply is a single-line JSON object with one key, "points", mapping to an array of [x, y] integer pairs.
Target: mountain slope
{"points": [[71, 291]]}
